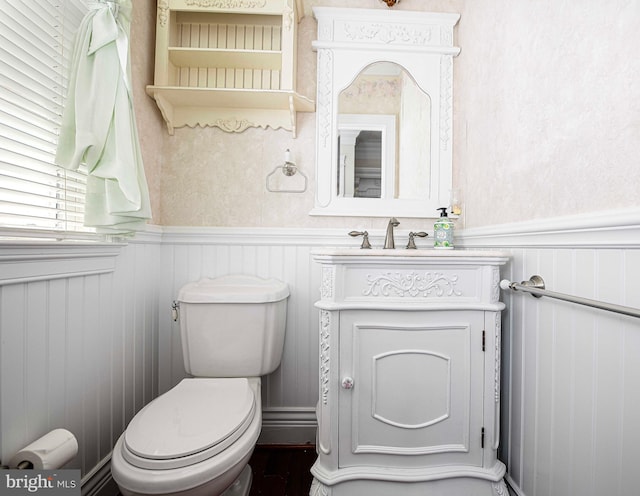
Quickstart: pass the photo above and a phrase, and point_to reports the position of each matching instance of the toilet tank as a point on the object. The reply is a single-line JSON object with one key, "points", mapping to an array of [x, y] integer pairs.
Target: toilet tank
{"points": [[232, 326]]}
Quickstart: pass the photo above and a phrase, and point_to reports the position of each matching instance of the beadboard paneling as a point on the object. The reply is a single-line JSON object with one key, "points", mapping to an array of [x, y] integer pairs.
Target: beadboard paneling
{"points": [[570, 377], [571, 374], [79, 343]]}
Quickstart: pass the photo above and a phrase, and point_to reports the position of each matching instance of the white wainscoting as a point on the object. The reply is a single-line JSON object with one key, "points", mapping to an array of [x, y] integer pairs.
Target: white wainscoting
{"points": [[78, 342], [571, 374], [87, 339]]}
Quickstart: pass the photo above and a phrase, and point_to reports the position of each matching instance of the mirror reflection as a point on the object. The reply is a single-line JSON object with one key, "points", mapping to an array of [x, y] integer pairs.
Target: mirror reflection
{"points": [[383, 135], [360, 168]]}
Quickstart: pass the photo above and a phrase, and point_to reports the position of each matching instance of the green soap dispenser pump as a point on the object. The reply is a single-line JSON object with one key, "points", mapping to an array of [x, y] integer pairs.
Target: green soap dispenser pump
{"points": [[443, 231]]}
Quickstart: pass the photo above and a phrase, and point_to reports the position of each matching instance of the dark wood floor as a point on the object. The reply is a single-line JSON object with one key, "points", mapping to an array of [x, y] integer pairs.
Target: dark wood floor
{"points": [[281, 470]]}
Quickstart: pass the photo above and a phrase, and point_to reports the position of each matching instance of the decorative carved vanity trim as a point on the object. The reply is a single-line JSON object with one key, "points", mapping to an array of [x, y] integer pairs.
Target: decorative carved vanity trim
{"points": [[412, 285], [325, 347]]}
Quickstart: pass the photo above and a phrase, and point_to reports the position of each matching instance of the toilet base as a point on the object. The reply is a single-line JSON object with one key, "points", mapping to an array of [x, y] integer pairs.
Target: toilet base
{"points": [[239, 487], [242, 485]]}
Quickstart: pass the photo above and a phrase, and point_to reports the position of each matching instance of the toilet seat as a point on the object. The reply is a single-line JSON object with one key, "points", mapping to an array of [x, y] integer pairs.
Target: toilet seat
{"points": [[210, 476], [192, 422]]}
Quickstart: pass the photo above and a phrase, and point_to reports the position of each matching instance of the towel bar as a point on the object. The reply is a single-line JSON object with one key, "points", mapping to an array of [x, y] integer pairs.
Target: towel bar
{"points": [[535, 286]]}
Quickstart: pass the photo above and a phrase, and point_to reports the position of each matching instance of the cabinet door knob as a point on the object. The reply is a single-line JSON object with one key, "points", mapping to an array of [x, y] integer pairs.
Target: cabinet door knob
{"points": [[347, 383]]}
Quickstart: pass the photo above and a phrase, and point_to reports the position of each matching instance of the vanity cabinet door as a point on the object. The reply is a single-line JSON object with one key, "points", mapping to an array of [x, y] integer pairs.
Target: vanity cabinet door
{"points": [[412, 387]]}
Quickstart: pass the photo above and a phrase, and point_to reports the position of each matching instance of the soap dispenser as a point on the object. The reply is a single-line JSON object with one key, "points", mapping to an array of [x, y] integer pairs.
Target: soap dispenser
{"points": [[443, 231]]}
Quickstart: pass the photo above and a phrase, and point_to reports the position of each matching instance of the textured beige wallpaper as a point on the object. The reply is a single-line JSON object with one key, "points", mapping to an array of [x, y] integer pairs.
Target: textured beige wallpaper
{"points": [[151, 130], [547, 108], [546, 122]]}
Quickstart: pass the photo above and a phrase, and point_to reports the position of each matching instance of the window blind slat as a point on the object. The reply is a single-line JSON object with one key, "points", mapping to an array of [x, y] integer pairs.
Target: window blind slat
{"points": [[33, 133], [32, 180], [21, 155], [20, 110], [18, 211], [39, 86]]}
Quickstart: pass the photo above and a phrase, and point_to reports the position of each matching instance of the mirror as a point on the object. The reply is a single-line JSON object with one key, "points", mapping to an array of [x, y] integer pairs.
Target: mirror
{"points": [[384, 110], [383, 103]]}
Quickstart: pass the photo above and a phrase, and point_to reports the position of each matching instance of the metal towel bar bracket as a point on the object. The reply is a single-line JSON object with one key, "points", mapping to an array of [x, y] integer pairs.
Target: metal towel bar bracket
{"points": [[535, 286]]}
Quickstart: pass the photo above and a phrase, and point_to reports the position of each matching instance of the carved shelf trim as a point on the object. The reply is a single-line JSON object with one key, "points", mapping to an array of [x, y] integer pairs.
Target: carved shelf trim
{"points": [[228, 4]]}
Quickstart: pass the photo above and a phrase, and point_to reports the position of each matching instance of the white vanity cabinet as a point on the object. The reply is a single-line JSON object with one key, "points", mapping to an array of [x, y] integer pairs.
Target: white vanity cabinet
{"points": [[409, 373]]}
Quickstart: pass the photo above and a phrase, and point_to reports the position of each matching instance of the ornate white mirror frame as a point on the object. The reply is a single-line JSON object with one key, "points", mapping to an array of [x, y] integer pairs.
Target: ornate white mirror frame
{"points": [[421, 43]]}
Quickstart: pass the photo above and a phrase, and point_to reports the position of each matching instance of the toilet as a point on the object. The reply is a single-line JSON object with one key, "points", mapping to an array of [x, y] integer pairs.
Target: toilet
{"points": [[196, 439]]}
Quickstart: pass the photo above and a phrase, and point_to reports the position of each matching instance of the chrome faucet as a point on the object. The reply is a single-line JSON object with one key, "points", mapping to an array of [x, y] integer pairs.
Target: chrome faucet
{"points": [[389, 243]]}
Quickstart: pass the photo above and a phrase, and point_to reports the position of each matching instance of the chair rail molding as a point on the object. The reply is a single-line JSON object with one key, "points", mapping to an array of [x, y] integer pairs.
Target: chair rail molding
{"points": [[613, 228], [22, 262]]}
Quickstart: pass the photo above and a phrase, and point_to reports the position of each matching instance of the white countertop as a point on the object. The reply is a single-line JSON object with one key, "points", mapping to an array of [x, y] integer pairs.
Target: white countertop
{"points": [[401, 252]]}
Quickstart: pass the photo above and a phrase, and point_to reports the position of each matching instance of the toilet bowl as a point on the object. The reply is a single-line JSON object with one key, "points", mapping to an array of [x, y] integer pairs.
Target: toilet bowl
{"points": [[196, 439], [208, 428]]}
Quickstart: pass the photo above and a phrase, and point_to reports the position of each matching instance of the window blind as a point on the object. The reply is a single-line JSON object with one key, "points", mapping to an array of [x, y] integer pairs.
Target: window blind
{"points": [[36, 44]]}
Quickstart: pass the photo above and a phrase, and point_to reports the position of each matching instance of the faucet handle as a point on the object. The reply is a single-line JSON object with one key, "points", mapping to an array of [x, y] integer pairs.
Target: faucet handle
{"points": [[365, 239], [411, 245]]}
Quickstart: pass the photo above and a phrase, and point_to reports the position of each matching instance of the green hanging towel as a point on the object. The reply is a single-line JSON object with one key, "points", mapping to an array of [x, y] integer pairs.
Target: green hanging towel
{"points": [[98, 122]]}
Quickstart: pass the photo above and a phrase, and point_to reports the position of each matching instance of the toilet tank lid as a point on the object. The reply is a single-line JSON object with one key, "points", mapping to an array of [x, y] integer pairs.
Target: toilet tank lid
{"points": [[234, 289]]}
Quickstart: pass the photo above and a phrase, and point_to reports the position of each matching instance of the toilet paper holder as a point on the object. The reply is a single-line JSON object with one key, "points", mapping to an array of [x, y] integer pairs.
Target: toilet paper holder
{"points": [[49, 452]]}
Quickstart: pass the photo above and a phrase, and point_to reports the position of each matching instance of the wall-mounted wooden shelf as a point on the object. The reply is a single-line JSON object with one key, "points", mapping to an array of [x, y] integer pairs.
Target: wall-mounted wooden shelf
{"points": [[228, 64]]}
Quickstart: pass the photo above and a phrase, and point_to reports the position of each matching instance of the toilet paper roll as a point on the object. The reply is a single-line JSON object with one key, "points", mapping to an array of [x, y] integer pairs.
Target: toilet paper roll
{"points": [[50, 452]]}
